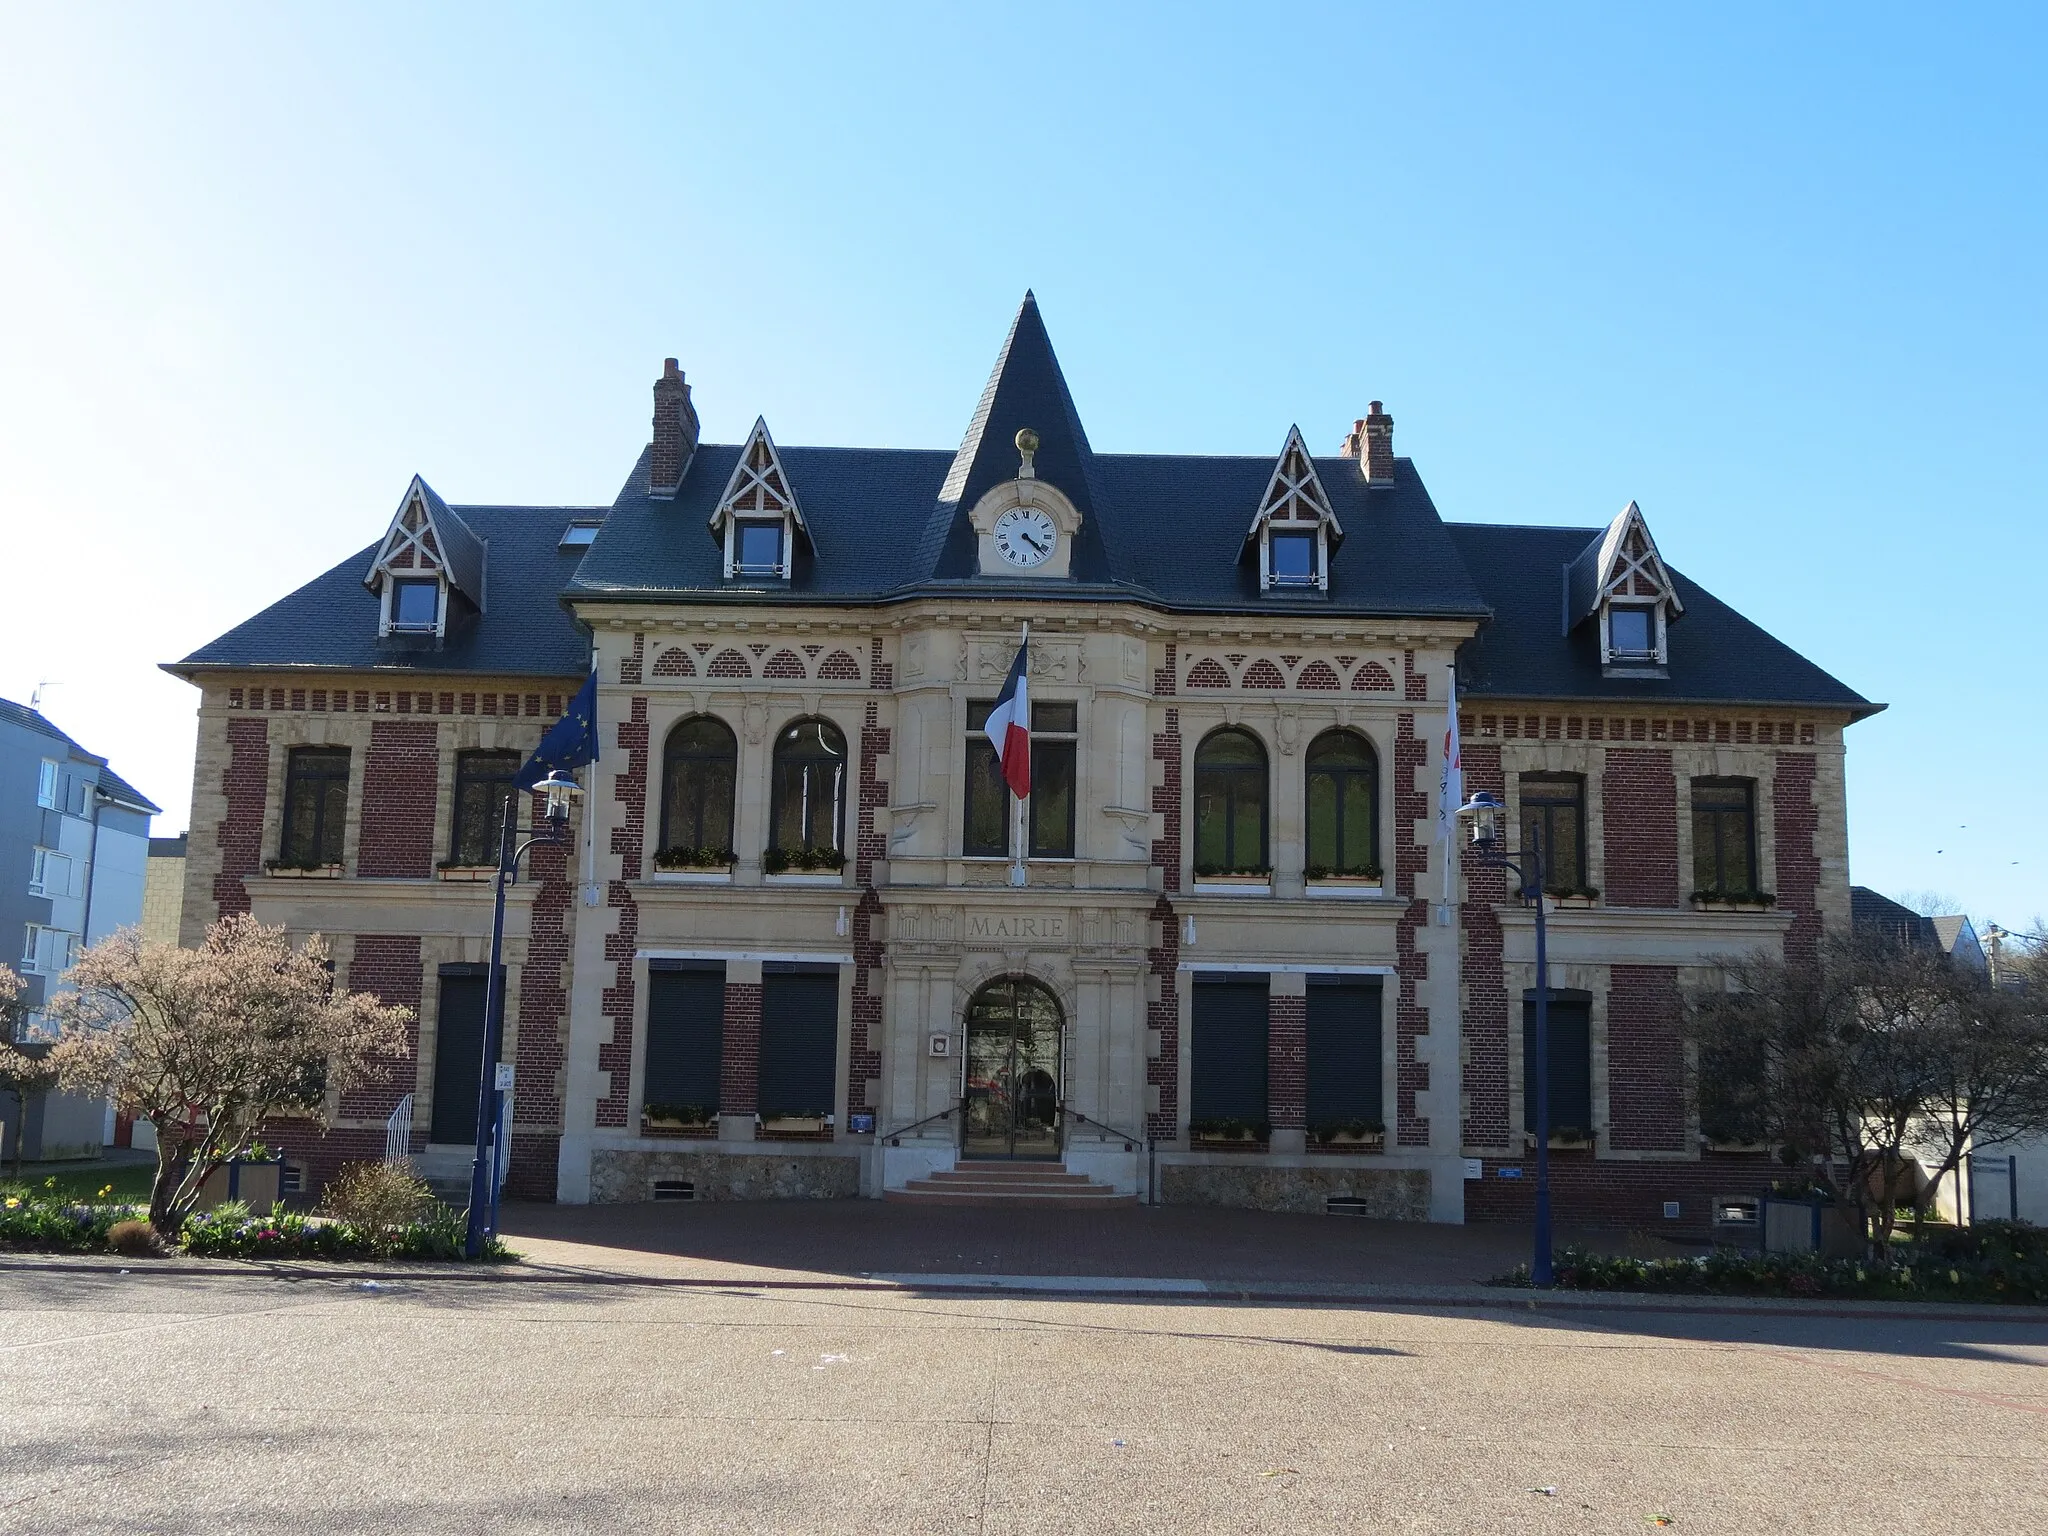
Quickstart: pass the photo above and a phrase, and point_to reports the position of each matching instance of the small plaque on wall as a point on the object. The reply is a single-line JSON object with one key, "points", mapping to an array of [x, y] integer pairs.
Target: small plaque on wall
{"points": [[942, 1045], [860, 1124]]}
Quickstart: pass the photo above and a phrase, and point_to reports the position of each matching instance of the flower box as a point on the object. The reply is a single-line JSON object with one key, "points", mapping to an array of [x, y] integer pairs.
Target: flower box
{"points": [[1345, 885], [278, 871], [1348, 1139], [1733, 901], [466, 874], [694, 876], [1242, 1135], [804, 879], [678, 1117], [1570, 1139], [793, 1125], [1734, 1146]]}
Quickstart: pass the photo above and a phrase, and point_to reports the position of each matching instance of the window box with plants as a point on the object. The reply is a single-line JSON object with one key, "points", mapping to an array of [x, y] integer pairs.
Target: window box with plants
{"points": [[1349, 1136], [1230, 1132], [1734, 901], [1569, 896], [1328, 880], [294, 869], [1566, 1138], [697, 1119], [462, 872], [694, 866], [793, 1122], [1234, 877], [804, 866]]}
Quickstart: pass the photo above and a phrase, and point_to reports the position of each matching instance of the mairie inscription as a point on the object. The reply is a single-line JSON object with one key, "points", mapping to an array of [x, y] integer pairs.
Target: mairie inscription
{"points": [[1039, 927]]}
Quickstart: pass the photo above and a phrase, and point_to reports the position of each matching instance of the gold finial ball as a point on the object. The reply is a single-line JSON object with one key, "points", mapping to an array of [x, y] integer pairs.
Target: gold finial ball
{"points": [[1027, 440]]}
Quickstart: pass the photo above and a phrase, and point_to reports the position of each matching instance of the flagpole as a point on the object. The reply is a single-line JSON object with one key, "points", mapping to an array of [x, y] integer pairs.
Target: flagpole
{"points": [[1020, 826]]}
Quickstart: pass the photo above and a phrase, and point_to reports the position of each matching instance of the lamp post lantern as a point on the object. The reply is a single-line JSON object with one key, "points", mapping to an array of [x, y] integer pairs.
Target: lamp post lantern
{"points": [[1483, 813], [558, 792]]}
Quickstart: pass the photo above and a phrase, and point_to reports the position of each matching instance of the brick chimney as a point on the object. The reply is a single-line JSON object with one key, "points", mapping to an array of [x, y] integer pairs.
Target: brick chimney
{"points": [[1371, 441], [675, 431]]}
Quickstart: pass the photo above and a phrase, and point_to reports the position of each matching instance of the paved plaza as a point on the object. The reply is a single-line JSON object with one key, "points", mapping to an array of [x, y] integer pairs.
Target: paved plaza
{"points": [[720, 1378]]}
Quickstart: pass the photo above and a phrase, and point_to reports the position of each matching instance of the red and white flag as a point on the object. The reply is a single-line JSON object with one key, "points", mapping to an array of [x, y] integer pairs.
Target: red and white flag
{"points": [[1009, 726]]}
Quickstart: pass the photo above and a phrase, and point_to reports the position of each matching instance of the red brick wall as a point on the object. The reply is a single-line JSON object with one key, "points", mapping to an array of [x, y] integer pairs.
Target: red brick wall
{"points": [[1486, 996], [543, 1007], [1639, 808], [1166, 800], [739, 1073], [245, 783], [1287, 1062], [1797, 823], [1587, 1191], [1163, 1070], [864, 1053], [398, 804], [1411, 1019], [1645, 1060], [629, 840], [387, 964]]}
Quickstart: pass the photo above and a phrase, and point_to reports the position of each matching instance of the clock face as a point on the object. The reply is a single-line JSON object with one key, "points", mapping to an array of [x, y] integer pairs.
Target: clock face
{"points": [[1025, 536]]}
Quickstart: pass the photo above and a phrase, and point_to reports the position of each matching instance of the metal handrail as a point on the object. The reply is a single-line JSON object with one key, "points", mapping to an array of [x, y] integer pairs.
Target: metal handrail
{"points": [[1131, 1143], [895, 1137]]}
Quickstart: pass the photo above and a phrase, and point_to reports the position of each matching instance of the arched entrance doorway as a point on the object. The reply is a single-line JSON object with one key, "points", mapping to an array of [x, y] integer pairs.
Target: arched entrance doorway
{"points": [[1012, 1106]]}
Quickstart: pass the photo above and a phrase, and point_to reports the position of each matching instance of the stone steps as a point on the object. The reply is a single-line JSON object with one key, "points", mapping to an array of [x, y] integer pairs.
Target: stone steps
{"points": [[1038, 1184]]}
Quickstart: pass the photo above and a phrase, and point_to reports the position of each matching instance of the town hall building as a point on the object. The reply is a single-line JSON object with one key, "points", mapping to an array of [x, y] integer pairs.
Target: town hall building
{"points": [[804, 946]]}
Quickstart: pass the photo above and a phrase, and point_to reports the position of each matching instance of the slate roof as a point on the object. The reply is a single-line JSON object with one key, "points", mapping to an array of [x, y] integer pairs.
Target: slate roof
{"points": [[330, 624], [1166, 531], [111, 784], [1875, 913], [1716, 655]]}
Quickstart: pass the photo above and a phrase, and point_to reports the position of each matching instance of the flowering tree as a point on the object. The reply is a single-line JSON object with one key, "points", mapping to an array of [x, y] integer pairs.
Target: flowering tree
{"points": [[206, 1043], [25, 1066]]}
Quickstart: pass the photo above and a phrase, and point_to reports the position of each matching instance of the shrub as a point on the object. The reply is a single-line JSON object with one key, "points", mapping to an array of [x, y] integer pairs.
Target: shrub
{"points": [[377, 1197], [41, 1219], [133, 1239]]}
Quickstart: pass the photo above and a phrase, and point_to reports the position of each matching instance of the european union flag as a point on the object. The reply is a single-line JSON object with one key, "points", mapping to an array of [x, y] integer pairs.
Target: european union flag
{"points": [[570, 742]]}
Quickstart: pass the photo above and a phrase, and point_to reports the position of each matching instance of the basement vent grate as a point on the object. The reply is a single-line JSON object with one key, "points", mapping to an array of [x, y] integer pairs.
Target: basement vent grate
{"points": [[291, 1180], [1346, 1205], [674, 1189], [1735, 1211]]}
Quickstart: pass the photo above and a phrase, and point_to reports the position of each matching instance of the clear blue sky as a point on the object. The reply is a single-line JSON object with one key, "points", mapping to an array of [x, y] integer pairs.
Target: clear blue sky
{"points": [[1775, 272]]}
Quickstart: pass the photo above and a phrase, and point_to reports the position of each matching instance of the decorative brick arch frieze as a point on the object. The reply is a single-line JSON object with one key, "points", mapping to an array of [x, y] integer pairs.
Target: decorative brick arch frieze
{"points": [[1208, 673], [1263, 674], [839, 667], [674, 662], [730, 663], [1372, 678], [784, 664], [1317, 676]]}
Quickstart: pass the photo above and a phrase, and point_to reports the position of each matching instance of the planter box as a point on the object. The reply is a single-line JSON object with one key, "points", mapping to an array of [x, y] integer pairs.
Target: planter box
{"points": [[468, 874], [1808, 1226], [324, 872], [807, 877], [1235, 885], [796, 1125], [1564, 1144], [1711, 904], [722, 875], [1346, 885], [1227, 1143], [259, 1184], [1735, 1146], [1344, 1142]]}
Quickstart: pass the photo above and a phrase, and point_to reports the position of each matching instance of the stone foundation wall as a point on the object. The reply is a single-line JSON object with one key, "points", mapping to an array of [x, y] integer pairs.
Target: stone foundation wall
{"points": [[1391, 1194], [618, 1177]]}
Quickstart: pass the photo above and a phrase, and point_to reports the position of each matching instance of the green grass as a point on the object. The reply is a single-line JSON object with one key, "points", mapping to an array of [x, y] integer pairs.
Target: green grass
{"points": [[131, 1181]]}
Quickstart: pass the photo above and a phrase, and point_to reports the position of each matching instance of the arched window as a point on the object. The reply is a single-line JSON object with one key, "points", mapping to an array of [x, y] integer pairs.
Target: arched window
{"points": [[698, 767], [1343, 806], [1230, 804], [809, 788]]}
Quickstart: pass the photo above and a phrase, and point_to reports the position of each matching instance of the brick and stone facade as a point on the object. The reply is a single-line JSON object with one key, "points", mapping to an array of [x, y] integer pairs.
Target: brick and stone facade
{"points": [[847, 966]]}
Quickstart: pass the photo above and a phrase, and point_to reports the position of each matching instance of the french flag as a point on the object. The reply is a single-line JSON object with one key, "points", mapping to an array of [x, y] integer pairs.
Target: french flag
{"points": [[1009, 726]]}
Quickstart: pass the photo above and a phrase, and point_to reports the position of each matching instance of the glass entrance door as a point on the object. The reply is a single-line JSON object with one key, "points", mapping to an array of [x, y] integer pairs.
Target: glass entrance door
{"points": [[1013, 1072]]}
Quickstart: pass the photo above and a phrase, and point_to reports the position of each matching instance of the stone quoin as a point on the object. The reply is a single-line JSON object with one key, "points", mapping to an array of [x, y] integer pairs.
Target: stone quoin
{"points": [[787, 955]]}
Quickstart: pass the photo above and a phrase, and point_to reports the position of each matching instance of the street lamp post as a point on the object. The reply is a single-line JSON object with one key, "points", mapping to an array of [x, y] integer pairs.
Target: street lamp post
{"points": [[558, 792], [1483, 812]]}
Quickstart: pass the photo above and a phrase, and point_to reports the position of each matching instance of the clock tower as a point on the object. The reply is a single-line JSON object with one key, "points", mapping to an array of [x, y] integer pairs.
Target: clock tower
{"points": [[1025, 527]]}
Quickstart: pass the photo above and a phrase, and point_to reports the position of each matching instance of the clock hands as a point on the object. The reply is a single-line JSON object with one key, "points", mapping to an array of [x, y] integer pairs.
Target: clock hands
{"points": [[1036, 547]]}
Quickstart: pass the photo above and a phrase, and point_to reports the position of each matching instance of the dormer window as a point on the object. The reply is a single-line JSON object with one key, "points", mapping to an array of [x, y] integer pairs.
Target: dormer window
{"points": [[1295, 529], [1631, 632], [430, 569], [1292, 559], [757, 519], [757, 549], [1619, 581], [415, 606]]}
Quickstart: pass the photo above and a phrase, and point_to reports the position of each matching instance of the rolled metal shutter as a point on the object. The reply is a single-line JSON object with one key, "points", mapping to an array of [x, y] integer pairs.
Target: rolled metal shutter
{"points": [[799, 1039], [1571, 1061], [1228, 1076], [1344, 1049], [685, 1033]]}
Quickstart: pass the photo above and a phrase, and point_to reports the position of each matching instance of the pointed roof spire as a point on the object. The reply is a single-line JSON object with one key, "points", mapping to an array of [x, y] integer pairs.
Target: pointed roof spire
{"points": [[1026, 389]]}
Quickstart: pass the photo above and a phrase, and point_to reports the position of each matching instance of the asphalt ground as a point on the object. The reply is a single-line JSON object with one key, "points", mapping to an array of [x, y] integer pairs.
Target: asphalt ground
{"points": [[558, 1398]]}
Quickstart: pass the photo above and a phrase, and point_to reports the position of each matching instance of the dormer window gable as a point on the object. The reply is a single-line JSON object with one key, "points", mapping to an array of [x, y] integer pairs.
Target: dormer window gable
{"points": [[429, 567], [757, 519], [1295, 530], [1621, 584]]}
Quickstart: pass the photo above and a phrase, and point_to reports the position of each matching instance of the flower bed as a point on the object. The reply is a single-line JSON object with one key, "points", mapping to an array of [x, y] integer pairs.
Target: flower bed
{"points": [[1994, 1261]]}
